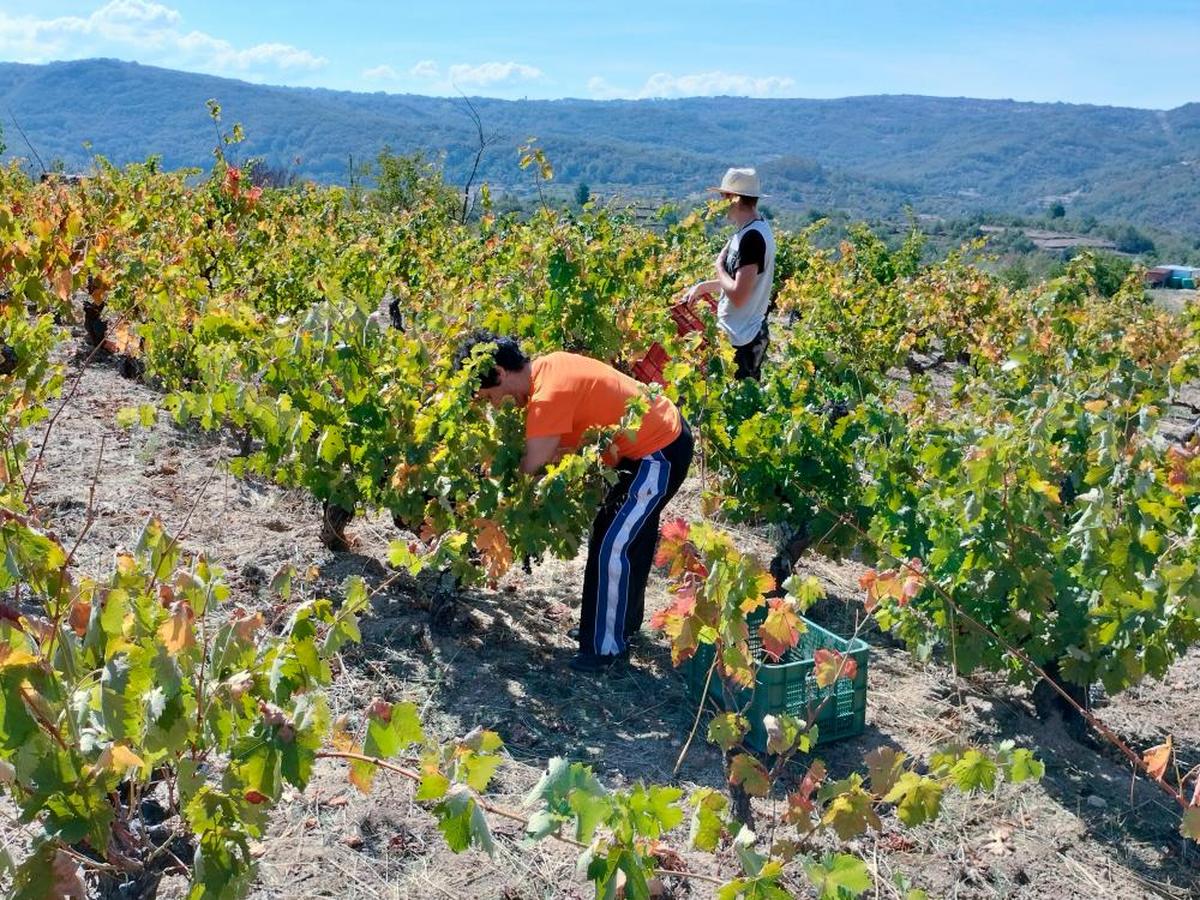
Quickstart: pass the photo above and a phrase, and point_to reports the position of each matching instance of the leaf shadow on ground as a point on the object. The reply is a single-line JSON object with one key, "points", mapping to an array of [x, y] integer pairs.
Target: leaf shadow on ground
{"points": [[1086, 795], [498, 659]]}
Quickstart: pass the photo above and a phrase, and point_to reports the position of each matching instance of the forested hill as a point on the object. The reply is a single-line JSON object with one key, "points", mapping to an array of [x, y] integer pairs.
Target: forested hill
{"points": [[866, 155]]}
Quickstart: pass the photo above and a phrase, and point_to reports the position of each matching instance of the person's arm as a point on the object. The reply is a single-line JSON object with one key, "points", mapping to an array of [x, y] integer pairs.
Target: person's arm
{"points": [[752, 261], [702, 289], [739, 287], [539, 453]]}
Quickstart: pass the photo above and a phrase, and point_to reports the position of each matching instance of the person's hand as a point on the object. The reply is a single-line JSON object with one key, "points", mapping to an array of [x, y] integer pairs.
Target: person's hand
{"points": [[698, 291]]}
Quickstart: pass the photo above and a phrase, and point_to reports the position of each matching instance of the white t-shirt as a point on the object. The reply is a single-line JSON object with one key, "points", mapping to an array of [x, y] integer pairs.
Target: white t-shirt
{"points": [[753, 244]]}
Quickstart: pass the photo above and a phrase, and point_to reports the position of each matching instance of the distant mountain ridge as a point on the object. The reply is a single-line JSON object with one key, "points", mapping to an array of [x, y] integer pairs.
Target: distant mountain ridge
{"points": [[868, 155]]}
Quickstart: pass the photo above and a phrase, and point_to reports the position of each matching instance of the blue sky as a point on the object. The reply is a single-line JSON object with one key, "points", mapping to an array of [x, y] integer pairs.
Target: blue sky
{"points": [[1108, 51]]}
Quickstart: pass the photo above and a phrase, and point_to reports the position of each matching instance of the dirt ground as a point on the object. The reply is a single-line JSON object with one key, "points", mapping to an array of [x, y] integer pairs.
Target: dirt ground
{"points": [[1086, 829]]}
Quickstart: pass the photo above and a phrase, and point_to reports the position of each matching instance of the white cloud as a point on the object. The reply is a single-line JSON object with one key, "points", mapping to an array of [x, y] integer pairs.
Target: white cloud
{"points": [[151, 30], [426, 68], [464, 75], [493, 73], [380, 73], [700, 84]]}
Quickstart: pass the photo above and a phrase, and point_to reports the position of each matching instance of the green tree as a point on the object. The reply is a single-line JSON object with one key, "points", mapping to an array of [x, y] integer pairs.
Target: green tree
{"points": [[1111, 271], [1016, 275], [406, 181], [1130, 240], [582, 194], [1057, 210]]}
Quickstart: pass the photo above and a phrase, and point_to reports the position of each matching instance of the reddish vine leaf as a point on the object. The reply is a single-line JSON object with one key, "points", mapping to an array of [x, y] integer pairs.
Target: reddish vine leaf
{"points": [[81, 613], [750, 774], [680, 624], [245, 625], [782, 629], [800, 801], [830, 665], [901, 585], [676, 552], [1157, 759]]}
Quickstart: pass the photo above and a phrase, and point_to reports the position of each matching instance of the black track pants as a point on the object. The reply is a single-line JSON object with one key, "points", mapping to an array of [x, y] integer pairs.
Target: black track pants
{"points": [[621, 549]]}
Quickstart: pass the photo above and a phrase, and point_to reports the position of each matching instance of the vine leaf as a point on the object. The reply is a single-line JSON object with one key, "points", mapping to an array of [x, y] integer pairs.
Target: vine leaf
{"points": [[727, 729], [782, 629], [118, 758], [838, 876], [1190, 825], [491, 542], [591, 811], [884, 767], [851, 811], [917, 797], [708, 823], [800, 801], [785, 733], [830, 665], [748, 772], [1158, 758], [176, 633], [1023, 766], [462, 822], [974, 771]]}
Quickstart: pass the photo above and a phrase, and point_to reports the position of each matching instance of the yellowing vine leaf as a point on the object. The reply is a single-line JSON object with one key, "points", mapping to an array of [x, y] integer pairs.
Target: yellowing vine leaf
{"points": [[10, 657], [491, 542], [851, 813], [750, 774], [1158, 758], [1189, 826], [177, 633], [118, 758], [781, 630]]}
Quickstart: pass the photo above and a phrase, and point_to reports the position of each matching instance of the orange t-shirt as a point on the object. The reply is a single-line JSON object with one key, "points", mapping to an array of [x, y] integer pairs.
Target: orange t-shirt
{"points": [[572, 393]]}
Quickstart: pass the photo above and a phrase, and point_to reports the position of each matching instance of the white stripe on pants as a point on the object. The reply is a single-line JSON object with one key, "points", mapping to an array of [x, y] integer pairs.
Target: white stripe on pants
{"points": [[649, 484]]}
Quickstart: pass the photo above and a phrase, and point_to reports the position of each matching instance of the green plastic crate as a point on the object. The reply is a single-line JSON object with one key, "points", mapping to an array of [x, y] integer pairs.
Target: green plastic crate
{"points": [[788, 686]]}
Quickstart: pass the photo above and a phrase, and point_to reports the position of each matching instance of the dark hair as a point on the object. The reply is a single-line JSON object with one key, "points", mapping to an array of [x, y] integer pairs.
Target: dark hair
{"points": [[506, 355]]}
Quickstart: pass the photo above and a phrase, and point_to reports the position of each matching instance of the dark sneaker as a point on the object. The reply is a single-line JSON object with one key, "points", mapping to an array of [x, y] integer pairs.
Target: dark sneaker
{"points": [[591, 663], [573, 634]]}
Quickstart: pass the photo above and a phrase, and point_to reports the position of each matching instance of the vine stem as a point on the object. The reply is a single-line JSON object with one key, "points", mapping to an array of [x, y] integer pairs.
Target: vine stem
{"points": [[77, 379], [699, 714], [493, 809], [89, 521]]}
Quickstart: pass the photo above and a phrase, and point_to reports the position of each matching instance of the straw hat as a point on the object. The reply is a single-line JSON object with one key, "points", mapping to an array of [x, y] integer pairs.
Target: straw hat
{"points": [[743, 182]]}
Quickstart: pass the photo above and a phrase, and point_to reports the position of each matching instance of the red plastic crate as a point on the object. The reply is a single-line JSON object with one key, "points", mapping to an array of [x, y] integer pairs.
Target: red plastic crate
{"points": [[686, 320], [649, 369]]}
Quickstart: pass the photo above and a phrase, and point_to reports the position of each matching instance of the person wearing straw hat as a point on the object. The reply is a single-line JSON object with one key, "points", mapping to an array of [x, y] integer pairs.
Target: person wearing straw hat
{"points": [[745, 270]]}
